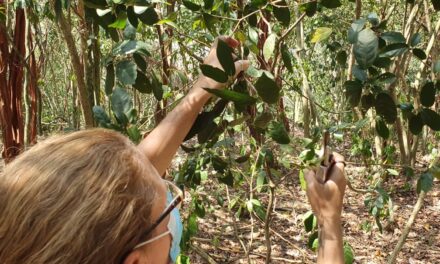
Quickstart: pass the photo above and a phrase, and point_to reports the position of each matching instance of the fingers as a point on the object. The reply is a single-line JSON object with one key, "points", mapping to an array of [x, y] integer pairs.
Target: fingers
{"points": [[233, 43], [241, 65]]}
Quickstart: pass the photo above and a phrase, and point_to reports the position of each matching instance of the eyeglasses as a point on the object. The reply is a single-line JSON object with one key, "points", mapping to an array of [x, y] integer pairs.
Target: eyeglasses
{"points": [[176, 202]]}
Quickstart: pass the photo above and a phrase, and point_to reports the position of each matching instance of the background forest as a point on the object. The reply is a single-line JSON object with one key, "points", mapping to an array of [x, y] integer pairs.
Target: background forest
{"points": [[366, 71]]}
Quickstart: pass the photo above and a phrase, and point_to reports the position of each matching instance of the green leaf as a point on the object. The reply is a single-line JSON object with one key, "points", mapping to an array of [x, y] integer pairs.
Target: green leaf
{"points": [[267, 89], [269, 46], [228, 179], [218, 164], [287, 58], [354, 30], [313, 241], [282, 13], [419, 53], [367, 101], [427, 94], [393, 37], [359, 73], [431, 119], [387, 78], [382, 129], [110, 78], [129, 32], [134, 134], [214, 73], [121, 104], [262, 120], [120, 22], [261, 180], [157, 87], [191, 6], [366, 48], [321, 34], [142, 83], [353, 92], [140, 62], [278, 132], [131, 46], [416, 124], [149, 16], [233, 96], [393, 50], [341, 57], [386, 107], [101, 116], [208, 4], [224, 55], [126, 72], [132, 18], [348, 254], [310, 221], [331, 3], [415, 40], [309, 8], [373, 19], [382, 62], [425, 182]]}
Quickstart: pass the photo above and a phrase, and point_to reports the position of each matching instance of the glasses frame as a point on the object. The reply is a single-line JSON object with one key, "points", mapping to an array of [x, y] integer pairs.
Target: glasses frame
{"points": [[171, 206]]}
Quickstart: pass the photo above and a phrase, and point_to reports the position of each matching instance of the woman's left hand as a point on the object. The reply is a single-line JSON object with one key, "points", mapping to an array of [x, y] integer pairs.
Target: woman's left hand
{"points": [[211, 59]]}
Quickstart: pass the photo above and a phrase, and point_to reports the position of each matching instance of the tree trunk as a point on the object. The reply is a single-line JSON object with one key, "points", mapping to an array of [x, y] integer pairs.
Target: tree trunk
{"points": [[78, 69], [11, 85]]}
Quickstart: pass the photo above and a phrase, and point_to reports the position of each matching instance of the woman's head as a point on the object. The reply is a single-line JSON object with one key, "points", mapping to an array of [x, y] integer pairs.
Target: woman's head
{"points": [[86, 197]]}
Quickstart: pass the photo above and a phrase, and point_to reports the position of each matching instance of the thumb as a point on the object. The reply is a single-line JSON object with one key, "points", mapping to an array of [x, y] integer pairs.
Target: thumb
{"points": [[241, 65]]}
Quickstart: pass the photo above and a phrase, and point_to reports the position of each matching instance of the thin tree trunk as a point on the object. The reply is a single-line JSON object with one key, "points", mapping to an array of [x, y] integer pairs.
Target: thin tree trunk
{"points": [[78, 69]]}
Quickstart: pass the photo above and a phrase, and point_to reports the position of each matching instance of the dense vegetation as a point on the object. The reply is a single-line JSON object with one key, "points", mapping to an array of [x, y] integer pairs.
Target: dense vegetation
{"points": [[367, 71]]}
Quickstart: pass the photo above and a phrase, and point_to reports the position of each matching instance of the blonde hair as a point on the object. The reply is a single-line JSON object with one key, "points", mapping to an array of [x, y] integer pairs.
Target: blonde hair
{"points": [[77, 198]]}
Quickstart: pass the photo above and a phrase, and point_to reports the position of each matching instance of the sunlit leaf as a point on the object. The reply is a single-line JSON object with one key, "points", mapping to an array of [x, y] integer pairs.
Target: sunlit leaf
{"points": [[269, 46], [321, 34], [366, 48], [233, 96], [214, 73]]}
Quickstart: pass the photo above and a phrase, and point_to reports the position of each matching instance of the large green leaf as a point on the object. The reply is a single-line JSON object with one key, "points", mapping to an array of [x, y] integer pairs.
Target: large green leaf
{"points": [[382, 129], [109, 79], [149, 16], [321, 34], [287, 58], [387, 78], [126, 72], [101, 116], [140, 62], [120, 22], [282, 13], [416, 124], [269, 46], [393, 50], [366, 48], [132, 18], [354, 30], [131, 46], [233, 96], [121, 104], [214, 73], [382, 62], [420, 54], [157, 87], [309, 8], [427, 94], [353, 92], [278, 132], [386, 107], [367, 101], [267, 89], [393, 37], [415, 39], [431, 119], [191, 6], [360, 73], [348, 254], [425, 182], [224, 55], [142, 83], [331, 3]]}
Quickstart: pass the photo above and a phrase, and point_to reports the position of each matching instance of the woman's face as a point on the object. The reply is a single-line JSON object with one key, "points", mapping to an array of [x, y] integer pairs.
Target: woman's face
{"points": [[158, 250]]}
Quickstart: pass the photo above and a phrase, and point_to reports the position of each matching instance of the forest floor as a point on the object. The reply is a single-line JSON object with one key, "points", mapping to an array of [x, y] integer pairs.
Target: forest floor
{"points": [[217, 237]]}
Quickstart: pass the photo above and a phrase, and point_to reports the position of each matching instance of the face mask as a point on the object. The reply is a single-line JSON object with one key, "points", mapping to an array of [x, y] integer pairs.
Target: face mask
{"points": [[175, 227]]}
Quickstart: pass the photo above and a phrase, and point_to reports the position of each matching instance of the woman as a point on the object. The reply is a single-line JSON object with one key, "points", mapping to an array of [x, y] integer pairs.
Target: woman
{"points": [[94, 197]]}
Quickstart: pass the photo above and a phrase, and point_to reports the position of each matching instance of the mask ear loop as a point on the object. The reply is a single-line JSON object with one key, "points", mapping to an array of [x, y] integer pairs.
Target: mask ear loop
{"points": [[152, 240]]}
